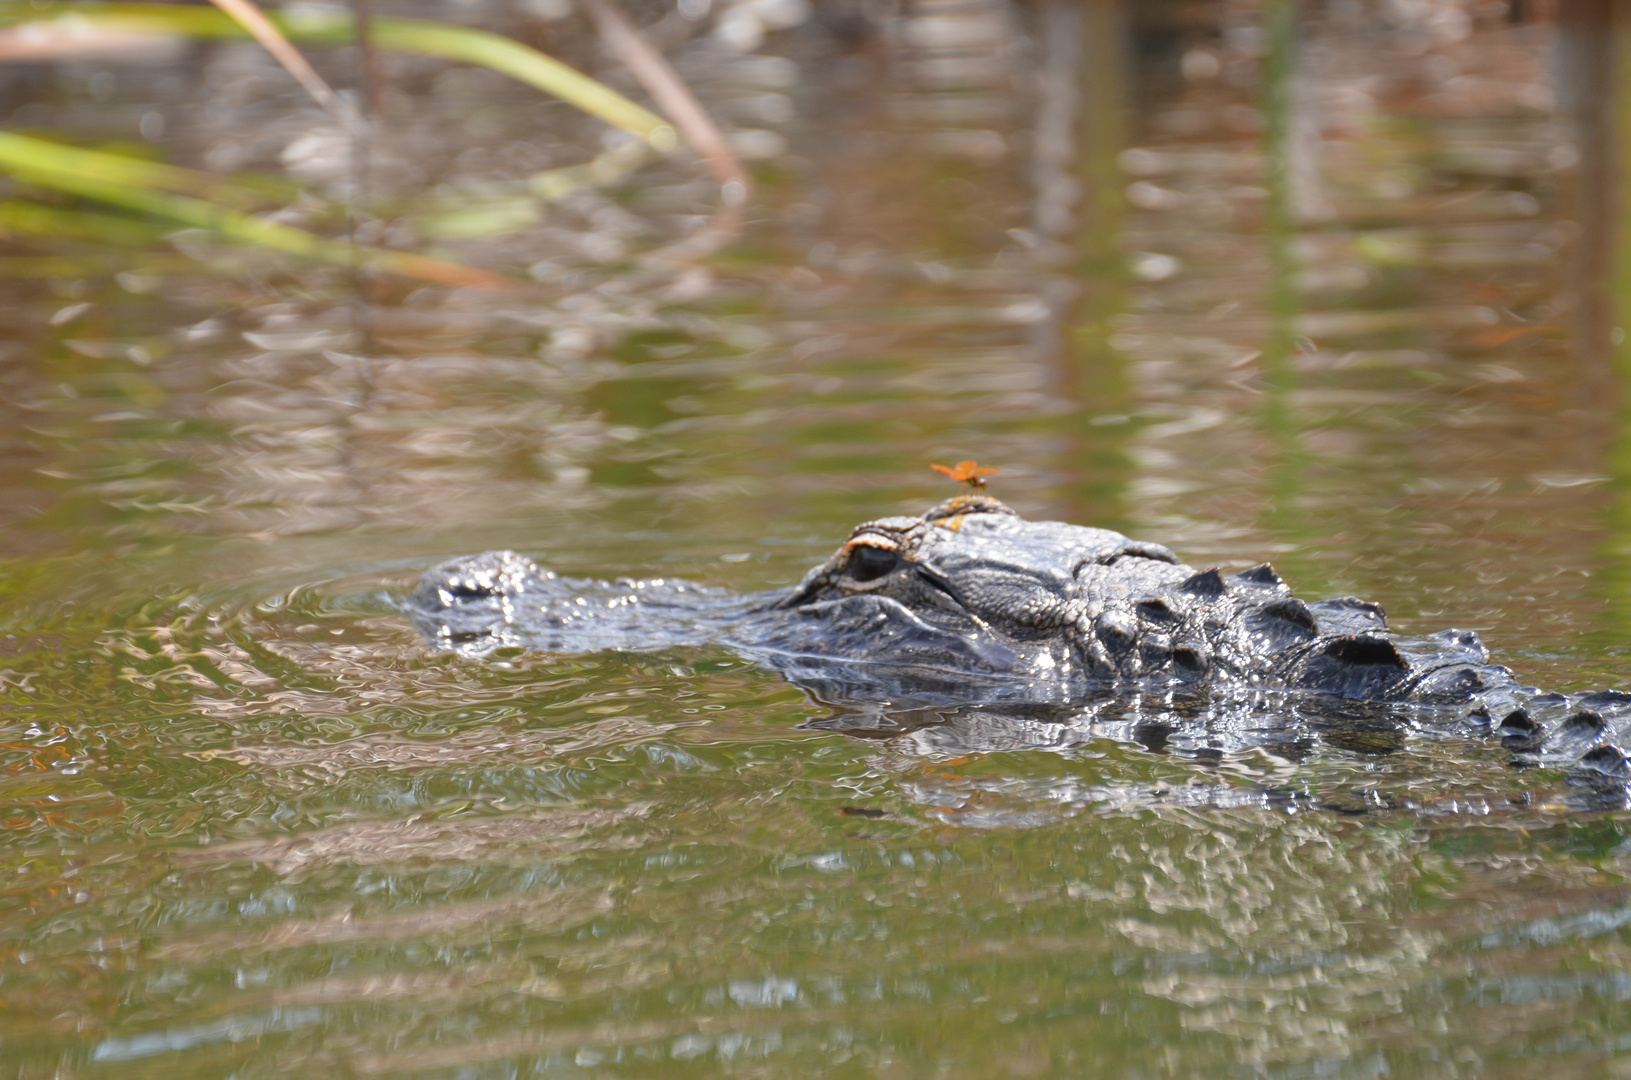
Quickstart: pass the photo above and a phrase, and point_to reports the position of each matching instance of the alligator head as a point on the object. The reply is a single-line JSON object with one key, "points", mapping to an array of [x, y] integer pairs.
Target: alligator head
{"points": [[972, 587]]}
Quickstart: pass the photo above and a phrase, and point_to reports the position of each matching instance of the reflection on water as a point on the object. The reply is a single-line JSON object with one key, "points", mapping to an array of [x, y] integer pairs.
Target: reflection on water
{"points": [[1333, 284]]}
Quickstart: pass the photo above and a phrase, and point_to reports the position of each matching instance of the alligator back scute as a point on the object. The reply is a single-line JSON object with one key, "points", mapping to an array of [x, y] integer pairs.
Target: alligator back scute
{"points": [[1565, 730], [1604, 699], [1207, 583], [1352, 666], [1261, 576], [1349, 615], [1518, 726], [1281, 623], [1609, 761], [1456, 682], [1583, 728]]}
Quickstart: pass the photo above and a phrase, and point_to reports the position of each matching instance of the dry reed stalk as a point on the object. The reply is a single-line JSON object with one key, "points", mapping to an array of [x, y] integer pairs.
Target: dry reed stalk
{"points": [[250, 17], [624, 40], [362, 11]]}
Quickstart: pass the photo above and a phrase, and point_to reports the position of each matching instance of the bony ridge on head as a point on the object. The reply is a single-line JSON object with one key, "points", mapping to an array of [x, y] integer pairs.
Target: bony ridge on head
{"points": [[950, 514]]}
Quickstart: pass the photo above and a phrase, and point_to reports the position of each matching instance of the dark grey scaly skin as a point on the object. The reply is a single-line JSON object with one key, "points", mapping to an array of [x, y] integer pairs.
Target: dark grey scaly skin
{"points": [[972, 605]]}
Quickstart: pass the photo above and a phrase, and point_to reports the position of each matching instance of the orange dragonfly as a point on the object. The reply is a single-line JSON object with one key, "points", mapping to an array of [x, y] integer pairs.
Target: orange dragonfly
{"points": [[971, 473]]}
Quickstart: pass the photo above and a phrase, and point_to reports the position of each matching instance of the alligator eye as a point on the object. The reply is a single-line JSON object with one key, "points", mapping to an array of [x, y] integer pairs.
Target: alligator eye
{"points": [[868, 563]]}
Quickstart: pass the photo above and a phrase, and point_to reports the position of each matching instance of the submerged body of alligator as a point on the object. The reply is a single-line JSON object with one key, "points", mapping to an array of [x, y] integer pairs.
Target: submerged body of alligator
{"points": [[973, 607]]}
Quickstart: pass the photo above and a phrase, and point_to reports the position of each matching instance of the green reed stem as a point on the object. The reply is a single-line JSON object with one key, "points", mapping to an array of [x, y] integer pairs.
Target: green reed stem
{"points": [[426, 38], [127, 182]]}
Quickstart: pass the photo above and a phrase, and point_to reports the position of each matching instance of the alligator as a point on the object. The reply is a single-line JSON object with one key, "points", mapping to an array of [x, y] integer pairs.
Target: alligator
{"points": [[972, 607]]}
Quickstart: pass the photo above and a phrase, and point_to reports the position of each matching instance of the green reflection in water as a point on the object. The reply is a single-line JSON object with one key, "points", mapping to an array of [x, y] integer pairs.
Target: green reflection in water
{"points": [[1096, 373], [1283, 303], [1611, 153]]}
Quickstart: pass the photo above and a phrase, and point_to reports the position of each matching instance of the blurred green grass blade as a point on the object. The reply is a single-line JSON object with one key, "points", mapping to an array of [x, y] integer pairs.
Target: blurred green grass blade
{"points": [[120, 169], [130, 183], [34, 267], [474, 218], [527, 65], [610, 167], [111, 179], [32, 219], [450, 42]]}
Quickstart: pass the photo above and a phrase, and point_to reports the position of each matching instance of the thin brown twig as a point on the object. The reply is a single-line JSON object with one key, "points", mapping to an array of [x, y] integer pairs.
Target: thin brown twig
{"points": [[272, 40], [372, 89], [672, 97]]}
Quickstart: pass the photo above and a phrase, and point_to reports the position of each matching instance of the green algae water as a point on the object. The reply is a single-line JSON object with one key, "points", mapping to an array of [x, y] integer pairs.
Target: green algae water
{"points": [[1340, 287]]}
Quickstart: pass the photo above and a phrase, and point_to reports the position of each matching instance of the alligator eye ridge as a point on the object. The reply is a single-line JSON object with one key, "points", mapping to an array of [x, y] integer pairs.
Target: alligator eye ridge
{"points": [[869, 563]]}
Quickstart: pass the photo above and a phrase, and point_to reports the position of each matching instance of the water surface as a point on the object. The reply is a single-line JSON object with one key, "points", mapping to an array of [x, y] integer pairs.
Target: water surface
{"points": [[1338, 291]]}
